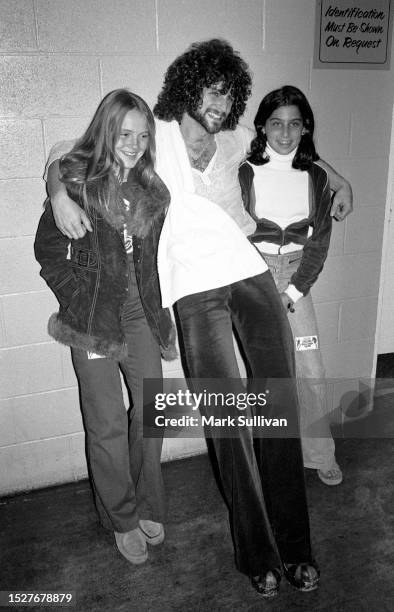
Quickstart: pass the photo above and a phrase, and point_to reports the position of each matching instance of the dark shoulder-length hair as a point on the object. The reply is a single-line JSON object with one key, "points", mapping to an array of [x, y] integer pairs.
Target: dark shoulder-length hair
{"points": [[285, 96], [202, 65], [92, 168]]}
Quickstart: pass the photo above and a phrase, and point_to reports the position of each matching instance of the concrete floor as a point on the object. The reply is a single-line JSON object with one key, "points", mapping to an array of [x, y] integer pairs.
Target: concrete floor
{"points": [[50, 541]]}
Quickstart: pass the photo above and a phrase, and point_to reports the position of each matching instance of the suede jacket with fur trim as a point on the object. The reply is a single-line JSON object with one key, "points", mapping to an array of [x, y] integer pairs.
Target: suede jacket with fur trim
{"points": [[315, 247], [89, 276]]}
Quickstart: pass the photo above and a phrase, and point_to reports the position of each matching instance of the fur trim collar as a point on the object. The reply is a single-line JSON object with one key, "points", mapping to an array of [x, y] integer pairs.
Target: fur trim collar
{"points": [[147, 204]]}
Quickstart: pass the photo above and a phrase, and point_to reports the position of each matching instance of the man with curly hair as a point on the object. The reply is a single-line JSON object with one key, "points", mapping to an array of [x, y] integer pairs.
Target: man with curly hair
{"points": [[218, 282]]}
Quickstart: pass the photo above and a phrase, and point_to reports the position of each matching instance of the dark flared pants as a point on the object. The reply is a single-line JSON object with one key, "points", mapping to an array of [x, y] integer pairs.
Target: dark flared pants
{"points": [[261, 478]]}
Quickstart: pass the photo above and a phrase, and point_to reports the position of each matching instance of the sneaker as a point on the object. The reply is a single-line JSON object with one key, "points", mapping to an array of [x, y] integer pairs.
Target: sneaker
{"points": [[153, 532], [132, 545], [331, 477]]}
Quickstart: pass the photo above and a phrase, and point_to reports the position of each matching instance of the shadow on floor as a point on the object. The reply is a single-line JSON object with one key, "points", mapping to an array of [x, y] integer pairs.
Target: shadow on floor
{"points": [[50, 541]]}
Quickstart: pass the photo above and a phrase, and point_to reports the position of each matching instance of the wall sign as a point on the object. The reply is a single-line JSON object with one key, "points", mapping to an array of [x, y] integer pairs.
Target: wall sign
{"points": [[353, 34]]}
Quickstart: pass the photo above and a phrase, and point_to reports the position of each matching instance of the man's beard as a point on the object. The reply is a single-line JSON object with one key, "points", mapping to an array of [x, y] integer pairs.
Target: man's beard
{"points": [[212, 127]]}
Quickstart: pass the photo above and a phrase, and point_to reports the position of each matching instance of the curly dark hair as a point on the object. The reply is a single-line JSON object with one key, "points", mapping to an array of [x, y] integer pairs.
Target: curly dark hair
{"points": [[202, 65], [285, 96]]}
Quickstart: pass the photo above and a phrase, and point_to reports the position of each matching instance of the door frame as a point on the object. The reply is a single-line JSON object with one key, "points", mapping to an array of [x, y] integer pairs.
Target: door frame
{"points": [[386, 238]]}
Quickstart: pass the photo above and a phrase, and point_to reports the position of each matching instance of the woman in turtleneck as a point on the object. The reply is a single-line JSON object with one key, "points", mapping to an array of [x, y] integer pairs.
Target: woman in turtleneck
{"points": [[288, 195]]}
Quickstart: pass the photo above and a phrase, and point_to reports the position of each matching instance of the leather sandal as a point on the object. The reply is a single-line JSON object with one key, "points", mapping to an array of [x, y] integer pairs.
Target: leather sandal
{"points": [[331, 477], [267, 584], [302, 576]]}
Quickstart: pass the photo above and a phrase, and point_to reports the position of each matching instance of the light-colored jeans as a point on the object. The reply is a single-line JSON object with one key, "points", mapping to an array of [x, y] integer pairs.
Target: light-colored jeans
{"points": [[318, 446]]}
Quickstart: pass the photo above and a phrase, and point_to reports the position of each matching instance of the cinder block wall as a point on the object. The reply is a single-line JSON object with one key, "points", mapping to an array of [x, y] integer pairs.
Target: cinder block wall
{"points": [[57, 60]]}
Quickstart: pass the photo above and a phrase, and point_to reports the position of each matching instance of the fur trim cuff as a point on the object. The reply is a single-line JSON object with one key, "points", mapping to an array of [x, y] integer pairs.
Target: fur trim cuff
{"points": [[65, 334]]}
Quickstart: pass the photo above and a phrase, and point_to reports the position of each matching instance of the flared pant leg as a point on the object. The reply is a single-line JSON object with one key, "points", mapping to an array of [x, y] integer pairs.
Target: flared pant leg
{"points": [[266, 338], [317, 442], [124, 468], [206, 321], [143, 361]]}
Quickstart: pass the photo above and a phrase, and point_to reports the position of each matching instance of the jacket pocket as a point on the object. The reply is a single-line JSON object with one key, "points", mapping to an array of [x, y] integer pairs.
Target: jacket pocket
{"points": [[83, 259], [65, 289]]}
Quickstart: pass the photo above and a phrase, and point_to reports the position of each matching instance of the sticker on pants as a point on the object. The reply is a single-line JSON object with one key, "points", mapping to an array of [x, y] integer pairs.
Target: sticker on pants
{"points": [[306, 343], [94, 355]]}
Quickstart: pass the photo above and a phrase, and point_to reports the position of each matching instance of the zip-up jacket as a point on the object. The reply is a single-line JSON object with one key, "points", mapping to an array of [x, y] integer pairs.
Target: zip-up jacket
{"points": [[315, 247]]}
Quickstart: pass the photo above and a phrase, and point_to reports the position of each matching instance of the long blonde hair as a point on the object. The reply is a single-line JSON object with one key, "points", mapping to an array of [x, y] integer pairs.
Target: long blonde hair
{"points": [[88, 170]]}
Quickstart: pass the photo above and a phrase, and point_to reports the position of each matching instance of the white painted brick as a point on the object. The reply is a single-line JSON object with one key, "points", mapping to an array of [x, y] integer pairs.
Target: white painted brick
{"points": [[17, 28], [78, 456], [7, 424], [357, 90], [357, 319], [47, 462], [94, 26], [270, 72], [35, 86], [30, 369], [244, 28], [338, 97], [64, 129], [46, 415], [290, 27], [21, 149], [18, 268], [190, 21], [332, 128], [337, 238], [141, 74], [28, 329], [368, 178], [21, 206], [2, 326], [364, 229], [348, 276], [367, 142], [13, 475]]}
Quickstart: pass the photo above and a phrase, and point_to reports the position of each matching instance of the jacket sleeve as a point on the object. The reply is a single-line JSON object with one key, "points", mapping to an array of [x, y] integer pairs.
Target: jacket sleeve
{"points": [[57, 151], [51, 249], [245, 177], [316, 248]]}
